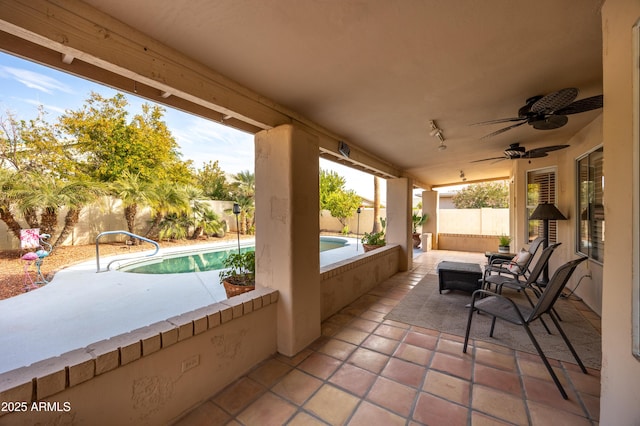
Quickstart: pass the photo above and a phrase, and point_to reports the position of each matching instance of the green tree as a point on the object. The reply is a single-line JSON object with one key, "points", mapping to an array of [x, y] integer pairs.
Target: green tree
{"points": [[341, 203], [487, 194], [109, 145], [213, 181], [133, 191], [166, 198]]}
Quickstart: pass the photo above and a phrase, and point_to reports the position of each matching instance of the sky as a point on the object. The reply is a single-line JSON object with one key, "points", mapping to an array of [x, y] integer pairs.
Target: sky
{"points": [[25, 85]]}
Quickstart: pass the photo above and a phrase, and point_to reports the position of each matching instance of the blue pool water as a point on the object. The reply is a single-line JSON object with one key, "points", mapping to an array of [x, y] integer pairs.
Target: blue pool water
{"points": [[205, 261]]}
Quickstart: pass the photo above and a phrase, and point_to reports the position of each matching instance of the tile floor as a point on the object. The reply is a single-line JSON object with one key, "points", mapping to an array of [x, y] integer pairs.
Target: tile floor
{"points": [[365, 370]]}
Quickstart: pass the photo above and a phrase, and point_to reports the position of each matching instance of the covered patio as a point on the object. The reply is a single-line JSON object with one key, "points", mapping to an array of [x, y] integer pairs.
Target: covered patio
{"points": [[358, 83], [369, 370]]}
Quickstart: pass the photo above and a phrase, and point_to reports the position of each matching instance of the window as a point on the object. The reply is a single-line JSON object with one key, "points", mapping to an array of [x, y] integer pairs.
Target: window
{"points": [[590, 214], [541, 188]]}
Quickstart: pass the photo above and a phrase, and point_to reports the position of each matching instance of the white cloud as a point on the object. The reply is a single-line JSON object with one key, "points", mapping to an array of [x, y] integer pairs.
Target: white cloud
{"points": [[34, 80], [37, 103]]}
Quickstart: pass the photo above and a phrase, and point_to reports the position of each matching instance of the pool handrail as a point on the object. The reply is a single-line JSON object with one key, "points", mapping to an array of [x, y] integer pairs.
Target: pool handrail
{"points": [[124, 233]]}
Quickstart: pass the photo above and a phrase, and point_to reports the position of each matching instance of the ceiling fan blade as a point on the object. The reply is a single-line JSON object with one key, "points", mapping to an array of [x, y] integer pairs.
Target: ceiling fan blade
{"points": [[554, 101], [500, 120], [538, 154], [497, 132], [582, 105], [489, 159], [545, 149], [550, 122]]}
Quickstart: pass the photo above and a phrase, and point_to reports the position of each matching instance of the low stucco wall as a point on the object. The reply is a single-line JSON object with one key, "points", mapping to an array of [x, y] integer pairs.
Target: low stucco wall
{"points": [[343, 282], [149, 376], [464, 242]]}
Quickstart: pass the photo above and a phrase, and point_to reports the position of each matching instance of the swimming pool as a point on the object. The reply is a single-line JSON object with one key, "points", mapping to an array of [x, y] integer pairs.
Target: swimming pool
{"points": [[201, 261]]}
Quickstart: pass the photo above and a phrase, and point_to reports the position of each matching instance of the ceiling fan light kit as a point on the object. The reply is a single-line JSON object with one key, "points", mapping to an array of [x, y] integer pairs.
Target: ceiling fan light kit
{"points": [[515, 151], [435, 131]]}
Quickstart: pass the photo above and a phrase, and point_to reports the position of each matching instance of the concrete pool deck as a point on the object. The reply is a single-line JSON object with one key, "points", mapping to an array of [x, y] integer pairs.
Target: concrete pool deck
{"points": [[80, 306]]}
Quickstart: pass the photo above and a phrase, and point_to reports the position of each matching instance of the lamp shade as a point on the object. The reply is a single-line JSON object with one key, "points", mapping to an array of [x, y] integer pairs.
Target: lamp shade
{"points": [[547, 211], [236, 208]]}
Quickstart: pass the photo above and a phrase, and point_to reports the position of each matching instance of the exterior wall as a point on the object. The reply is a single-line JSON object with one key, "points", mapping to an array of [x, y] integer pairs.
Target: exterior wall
{"points": [[342, 283], [106, 215], [473, 243], [620, 375], [331, 224], [474, 221], [152, 375]]}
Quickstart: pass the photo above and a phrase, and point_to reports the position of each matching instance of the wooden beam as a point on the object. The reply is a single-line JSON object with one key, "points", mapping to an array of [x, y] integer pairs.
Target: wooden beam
{"points": [[108, 51]]}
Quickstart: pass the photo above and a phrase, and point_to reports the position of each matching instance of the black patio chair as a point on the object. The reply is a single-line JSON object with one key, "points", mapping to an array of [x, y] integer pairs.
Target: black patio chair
{"points": [[514, 267], [506, 309], [500, 281]]}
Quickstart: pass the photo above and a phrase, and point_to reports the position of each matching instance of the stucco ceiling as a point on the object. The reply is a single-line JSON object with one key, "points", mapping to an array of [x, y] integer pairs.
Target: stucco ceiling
{"points": [[375, 72]]}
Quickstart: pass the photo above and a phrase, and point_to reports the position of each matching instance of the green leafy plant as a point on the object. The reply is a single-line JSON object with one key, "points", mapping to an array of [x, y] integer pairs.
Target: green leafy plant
{"points": [[374, 239], [504, 240], [240, 269], [418, 220]]}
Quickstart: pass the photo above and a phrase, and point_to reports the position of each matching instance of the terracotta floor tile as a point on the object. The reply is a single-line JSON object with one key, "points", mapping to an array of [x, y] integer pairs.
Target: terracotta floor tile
{"points": [[337, 348], [239, 395], [481, 419], [270, 372], [585, 383], [363, 325], [397, 324], [451, 346], [206, 414], [304, 419], [354, 379], [547, 393], [432, 410], [592, 403], [427, 331], [453, 337], [502, 405], [319, 365], [390, 332], [496, 359], [539, 371], [294, 360], [269, 409], [415, 354], [505, 381], [542, 415], [369, 360], [297, 387], [426, 341], [373, 316], [332, 405], [380, 344], [368, 414], [494, 347], [453, 365], [352, 335], [393, 396], [447, 387], [404, 372]]}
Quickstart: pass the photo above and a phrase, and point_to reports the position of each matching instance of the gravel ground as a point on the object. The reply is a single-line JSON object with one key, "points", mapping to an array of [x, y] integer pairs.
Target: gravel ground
{"points": [[12, 274]]}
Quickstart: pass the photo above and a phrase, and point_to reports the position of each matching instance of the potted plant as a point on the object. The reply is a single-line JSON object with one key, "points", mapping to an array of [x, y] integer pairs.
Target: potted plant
{"points": [[373, 241], [504, 244], [239, 275], [418, 220]]}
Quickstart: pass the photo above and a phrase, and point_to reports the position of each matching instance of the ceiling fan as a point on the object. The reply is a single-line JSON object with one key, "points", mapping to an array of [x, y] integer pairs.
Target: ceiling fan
{"points": [[515, 151], [549, 111]]}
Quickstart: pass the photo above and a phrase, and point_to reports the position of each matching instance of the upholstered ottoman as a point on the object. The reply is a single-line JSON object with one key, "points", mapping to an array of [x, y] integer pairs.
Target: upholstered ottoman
{"points": [[459, 276]]}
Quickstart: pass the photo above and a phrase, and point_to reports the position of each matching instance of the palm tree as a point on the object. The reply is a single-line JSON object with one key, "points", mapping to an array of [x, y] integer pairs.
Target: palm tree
{"points": [[166, 198], [376, 205], [133, 191], [244, 193], [8, 182], [206, 221], [77, 195]]}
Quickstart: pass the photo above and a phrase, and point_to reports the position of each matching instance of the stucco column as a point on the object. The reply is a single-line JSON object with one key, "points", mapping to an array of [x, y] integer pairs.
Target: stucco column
{"points": [[399, 219], [430, 207], [287, 231]]}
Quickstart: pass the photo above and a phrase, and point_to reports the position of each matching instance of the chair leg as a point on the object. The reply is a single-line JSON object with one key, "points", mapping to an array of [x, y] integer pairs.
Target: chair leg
{"points": [[569, 345], [493, 326], [466, 333], [546, 362]]}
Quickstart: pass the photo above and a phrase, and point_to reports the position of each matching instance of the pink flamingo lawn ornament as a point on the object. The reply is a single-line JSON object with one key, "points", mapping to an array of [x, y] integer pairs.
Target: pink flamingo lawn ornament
{"points": [[36, 258]]}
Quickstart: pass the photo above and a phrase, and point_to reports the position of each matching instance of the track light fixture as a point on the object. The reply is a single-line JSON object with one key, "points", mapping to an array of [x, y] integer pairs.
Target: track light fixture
{"points": [[464, 179]]}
